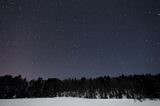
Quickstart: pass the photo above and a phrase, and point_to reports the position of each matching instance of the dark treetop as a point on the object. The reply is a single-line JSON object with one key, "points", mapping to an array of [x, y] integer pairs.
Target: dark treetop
{"points": [[75, 38], [139, 87]]}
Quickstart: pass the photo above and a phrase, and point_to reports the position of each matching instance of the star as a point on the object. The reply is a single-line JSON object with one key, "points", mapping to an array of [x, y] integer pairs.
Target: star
{"points": [[32, 62], [149, 12], [146, 40], [126, 15], [20, 8], [39, 37], [122, 62], [8, 42], [158, 43]]}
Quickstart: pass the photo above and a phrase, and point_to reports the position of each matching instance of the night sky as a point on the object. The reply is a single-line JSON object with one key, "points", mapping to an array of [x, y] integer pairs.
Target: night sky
{"points": [[79, 38]]}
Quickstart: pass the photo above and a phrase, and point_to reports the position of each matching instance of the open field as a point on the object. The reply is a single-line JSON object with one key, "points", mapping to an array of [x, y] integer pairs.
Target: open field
{"points": [[67, 101]]}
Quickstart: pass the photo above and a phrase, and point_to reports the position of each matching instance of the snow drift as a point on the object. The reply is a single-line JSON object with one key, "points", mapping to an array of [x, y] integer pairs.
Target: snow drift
{"points": [[68, 101]]}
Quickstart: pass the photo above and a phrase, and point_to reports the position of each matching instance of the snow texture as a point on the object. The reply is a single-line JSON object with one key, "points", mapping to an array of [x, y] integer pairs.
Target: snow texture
{"points": [[67, 101]]}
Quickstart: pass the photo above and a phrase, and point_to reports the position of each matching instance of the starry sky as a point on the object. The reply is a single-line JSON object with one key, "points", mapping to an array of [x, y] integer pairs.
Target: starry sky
{"points": [[79, 38]]}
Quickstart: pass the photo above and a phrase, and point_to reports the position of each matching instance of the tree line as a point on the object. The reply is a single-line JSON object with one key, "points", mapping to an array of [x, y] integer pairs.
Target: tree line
{"points": [[131, 87]]}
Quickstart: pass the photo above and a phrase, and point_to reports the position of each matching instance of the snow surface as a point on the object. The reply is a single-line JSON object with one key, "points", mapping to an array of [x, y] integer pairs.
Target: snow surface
{"points": [[67, 101]]}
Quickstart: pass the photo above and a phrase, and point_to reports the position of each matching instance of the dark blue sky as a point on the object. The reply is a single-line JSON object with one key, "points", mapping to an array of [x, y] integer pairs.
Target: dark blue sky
{"points": [[76, 38]]}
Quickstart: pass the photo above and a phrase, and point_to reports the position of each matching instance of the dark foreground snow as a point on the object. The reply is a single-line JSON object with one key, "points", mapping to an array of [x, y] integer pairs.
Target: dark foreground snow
{"points": [[67, 101]]}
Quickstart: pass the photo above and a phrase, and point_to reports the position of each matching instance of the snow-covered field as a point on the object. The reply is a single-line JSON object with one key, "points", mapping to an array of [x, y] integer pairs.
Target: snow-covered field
{"points": [[65, 101]]}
